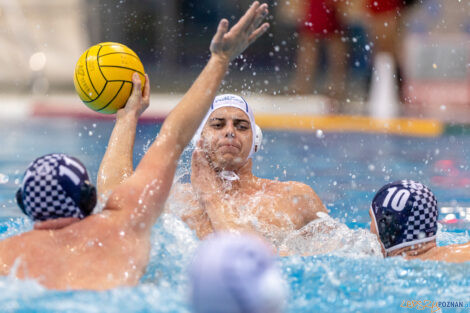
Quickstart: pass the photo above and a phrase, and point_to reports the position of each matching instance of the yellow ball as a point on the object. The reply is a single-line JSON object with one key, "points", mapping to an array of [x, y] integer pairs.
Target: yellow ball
{"points": [[103, 76]]}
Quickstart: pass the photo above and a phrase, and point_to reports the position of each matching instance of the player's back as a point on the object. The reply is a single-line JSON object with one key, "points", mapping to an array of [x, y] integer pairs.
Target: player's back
{"points": [[98, 252]]}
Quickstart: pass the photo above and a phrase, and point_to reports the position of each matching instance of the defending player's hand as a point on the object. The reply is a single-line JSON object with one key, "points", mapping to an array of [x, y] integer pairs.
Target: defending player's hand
{"points": [[203, 176], [229, 44], [138, 101]]}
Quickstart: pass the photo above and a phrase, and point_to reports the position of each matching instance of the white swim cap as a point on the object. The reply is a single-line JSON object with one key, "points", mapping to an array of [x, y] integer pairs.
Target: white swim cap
{"points": [[229, 100], [236, 274]]}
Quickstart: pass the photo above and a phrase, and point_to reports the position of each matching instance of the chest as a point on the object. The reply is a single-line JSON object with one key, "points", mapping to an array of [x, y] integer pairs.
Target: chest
{"points": [[268, 209]]}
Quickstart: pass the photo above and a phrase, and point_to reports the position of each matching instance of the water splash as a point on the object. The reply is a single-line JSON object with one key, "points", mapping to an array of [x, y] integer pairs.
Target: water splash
{"points": [[3, 178], [327, 235]]}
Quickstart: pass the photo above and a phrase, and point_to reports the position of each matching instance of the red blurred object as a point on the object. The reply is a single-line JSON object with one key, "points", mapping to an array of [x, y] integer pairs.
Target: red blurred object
{"points": [[381, 6], [321, 18], [451, 221], [450, 175]]}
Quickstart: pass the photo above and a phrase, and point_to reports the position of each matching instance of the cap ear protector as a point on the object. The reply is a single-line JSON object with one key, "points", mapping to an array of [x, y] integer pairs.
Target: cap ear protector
{"points": [[258, 138], [88, 198], [19, 200], [389, 229]]}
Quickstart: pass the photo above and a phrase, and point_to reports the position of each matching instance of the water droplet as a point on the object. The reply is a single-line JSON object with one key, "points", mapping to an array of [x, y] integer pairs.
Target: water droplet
{"points": [[319, 134], [3, 178]]}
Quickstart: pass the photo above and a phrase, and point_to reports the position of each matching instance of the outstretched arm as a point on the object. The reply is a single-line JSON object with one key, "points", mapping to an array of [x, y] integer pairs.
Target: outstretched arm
{"points": [[144, 193], [116, 165]]}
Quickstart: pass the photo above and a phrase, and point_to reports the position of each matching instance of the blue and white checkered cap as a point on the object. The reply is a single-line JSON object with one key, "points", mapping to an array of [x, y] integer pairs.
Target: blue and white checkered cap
{"points": [[52, 187], [405, 213]]}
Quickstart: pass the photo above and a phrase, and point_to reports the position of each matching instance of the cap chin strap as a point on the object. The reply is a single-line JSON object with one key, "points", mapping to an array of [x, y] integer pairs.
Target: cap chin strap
{"points": [[410, 243], [229, 175]]}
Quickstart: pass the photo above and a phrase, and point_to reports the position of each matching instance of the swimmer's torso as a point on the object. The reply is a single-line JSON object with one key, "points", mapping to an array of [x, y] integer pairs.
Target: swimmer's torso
{"points": [[270, 208], [96, 253]]}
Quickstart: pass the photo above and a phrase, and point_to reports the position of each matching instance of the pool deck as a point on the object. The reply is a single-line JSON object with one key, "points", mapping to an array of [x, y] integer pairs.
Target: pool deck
{"points": [[304, 113]]}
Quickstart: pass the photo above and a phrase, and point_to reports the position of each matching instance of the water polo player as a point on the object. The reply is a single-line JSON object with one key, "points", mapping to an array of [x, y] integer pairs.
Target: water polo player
{"points": [[236, 274], [404, 218], [111, 248], [224, 195]]}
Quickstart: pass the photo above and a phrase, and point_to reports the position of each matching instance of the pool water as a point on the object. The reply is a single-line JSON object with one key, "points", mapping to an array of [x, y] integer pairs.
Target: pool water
{"points": [[345, 169]]}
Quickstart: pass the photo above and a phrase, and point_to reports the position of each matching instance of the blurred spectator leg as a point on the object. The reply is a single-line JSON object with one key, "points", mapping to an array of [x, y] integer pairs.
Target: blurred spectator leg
{"points": [[306, 60], [387, 38], [336, 50]]}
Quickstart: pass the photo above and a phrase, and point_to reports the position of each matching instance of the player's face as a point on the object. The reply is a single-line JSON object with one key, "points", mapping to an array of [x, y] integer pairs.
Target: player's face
{"points": [[227, 136], [373, 229]]}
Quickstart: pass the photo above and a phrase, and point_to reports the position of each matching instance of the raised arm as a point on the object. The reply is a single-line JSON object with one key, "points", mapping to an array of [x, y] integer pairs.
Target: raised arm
{"points": [[116, 164], [144, 193]]}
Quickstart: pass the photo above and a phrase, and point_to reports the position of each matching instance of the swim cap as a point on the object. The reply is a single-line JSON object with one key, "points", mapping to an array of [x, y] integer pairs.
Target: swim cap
{"points": [[55, 186], [405, 213], [229, 100], [235, 274]]}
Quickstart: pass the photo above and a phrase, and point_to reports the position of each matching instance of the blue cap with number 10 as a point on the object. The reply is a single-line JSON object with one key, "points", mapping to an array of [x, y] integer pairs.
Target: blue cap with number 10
{"points": [[405, 213]]}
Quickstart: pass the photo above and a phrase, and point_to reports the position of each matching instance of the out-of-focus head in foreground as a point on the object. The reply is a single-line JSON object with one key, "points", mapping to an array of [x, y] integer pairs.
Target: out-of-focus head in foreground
{"points": [[236, 274]]}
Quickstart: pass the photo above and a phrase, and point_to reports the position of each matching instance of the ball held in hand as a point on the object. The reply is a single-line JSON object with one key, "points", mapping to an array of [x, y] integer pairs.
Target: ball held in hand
{"points": [[103, 76]]}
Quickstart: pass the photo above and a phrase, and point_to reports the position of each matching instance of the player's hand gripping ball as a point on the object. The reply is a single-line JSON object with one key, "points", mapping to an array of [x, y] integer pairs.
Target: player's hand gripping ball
{"points": [[103, 76]]}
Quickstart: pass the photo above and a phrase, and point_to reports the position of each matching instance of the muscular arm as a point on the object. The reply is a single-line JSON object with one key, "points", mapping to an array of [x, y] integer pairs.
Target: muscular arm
{"points": [[223, 215], [305, 201], [116, 165], [142, 196], [190, 211]]}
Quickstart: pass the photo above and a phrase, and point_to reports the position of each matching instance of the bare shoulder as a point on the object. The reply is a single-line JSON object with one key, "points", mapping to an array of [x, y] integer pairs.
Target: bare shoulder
{"points": [[293, 189], [298, 195], [456, 253]]}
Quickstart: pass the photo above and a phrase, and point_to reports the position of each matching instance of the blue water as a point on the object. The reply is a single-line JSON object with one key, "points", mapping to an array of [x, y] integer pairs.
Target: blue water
{"points": [[344, 169]]}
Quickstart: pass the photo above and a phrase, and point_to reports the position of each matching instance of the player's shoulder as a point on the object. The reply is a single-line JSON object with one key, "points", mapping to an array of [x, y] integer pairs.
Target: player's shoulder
{"points": [[297, 188], [454, 253], [288, 187]]}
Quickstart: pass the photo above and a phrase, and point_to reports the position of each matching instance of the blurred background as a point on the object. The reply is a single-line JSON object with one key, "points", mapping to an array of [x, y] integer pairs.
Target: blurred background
{"points": [[375, 57]]}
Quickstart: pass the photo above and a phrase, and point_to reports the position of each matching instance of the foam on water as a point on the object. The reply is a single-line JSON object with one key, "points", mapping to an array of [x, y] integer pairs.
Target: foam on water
{"points": [[445, 238], [162, 289], [331, 283], [328, 235], [334, 282]]}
